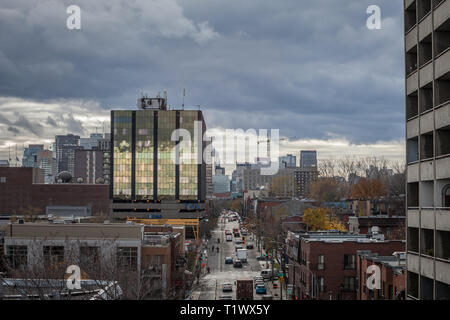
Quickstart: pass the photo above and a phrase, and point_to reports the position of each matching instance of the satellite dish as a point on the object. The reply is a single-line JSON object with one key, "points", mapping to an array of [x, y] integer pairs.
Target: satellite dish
{"points": [[100, 180], [80, 180], [64, 177]]}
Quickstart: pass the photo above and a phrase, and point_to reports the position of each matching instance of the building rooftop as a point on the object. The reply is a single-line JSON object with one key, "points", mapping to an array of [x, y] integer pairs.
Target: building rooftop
{"points": [[334, 236], [396, 261]]}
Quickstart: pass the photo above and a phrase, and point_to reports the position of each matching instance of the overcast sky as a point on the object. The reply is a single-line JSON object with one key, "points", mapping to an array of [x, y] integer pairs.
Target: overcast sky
{"points": [[309, 68]]}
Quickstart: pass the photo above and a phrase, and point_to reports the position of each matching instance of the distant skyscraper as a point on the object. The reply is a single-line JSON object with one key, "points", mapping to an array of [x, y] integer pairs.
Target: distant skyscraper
{"points": [[65, 152], [47, 162], [91, 142], [29, 159], [308, 158], [288, 161]]}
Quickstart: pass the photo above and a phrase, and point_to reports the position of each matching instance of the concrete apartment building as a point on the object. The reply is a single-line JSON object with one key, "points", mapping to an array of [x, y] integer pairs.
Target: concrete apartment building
{"points": [[392, 275], [322, 265], [427, 66]]}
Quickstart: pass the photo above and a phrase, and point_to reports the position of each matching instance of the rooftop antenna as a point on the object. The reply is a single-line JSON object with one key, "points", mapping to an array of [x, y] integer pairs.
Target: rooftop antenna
{"points": [[184, 94]]}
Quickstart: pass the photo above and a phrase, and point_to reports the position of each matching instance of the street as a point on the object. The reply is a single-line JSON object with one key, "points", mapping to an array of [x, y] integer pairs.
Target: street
{"points": [[210, 286]]}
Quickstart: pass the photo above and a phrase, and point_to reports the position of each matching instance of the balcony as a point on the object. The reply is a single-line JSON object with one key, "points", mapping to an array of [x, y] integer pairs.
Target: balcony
{"points": [[413, 195], [413, 239], [423, 8], [411, 60], [412, 105], [426, 98], [442, 38], [410, 16], [412, 284], [427, 242], [443, 141], [443, 244]]}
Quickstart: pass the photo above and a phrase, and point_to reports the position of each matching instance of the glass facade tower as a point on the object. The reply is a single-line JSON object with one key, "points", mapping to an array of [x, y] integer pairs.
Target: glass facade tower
{"points": [[143, 167]]}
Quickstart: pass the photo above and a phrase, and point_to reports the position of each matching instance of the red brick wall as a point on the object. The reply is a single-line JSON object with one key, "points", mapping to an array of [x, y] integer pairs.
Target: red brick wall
{"points": [[334, 272], [19, 193]]}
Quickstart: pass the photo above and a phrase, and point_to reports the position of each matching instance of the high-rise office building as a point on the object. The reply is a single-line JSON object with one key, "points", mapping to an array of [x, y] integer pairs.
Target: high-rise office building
{"points": [[91, 142], [288, 161], [47, 162], [308, 158], [65, 152], [29, 159], [145, 179], [427, 60]]}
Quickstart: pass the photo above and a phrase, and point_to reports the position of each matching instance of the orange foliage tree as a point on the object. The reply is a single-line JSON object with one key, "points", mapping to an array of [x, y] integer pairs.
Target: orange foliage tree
{"points": [[369, 189], [322, 219]]}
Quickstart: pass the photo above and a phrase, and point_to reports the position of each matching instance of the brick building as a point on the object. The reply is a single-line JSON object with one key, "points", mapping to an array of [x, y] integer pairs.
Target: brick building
{"points": [[23, 189], [392, 227], [324, 264], [392, 276]]}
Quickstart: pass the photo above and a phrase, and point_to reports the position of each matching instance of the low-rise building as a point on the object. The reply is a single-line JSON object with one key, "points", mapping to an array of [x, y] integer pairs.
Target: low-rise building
{"points": [[392, 281], [324, 266]]}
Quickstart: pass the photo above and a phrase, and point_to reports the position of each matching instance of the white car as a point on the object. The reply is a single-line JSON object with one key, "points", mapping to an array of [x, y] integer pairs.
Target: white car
{"points": [[227, 287]]}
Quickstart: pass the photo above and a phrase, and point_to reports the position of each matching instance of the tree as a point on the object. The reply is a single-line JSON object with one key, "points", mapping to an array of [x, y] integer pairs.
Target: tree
{"points": [[370, 189], [282, 186], [327, 189], [322, 219]]}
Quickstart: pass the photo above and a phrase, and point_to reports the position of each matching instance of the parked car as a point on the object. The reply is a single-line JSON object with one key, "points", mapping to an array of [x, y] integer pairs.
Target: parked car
{"points": [[249, 245], [259, 282], [261, 258], [227, 287], [228, 260], [275, 285], [225, 297], [237, 264], [260, 288], [255, 278]]}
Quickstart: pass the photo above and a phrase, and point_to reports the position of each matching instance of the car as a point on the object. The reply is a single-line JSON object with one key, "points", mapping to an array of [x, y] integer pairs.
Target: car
{"points": [[255, 278], [225, 297], [249, 245], [227, 287], [260, 288], [238, 247], [259, 282], [261, 258], [237, 235], [275, 285], [228, 260], [237, 264], [267, 297], [238, 241]]}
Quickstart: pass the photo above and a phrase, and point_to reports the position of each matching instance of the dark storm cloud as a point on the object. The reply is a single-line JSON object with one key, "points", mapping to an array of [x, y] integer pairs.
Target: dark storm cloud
{"points": [[310, 68], [51, 122], [13, 130]]}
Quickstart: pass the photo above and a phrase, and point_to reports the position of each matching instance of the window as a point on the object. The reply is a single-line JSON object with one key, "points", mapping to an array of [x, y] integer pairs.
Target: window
{"points": [[321, 284], [2, 179], [17, 256], [53, 254], [89, 256], [446, 196], [127, 258], [321, 262], [349, 284], [349, 261]]}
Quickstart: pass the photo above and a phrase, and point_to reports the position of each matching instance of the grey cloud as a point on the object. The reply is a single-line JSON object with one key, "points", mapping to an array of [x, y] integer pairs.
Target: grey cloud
{"points": [[13, 130], [50, 121], [310, 68]]}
